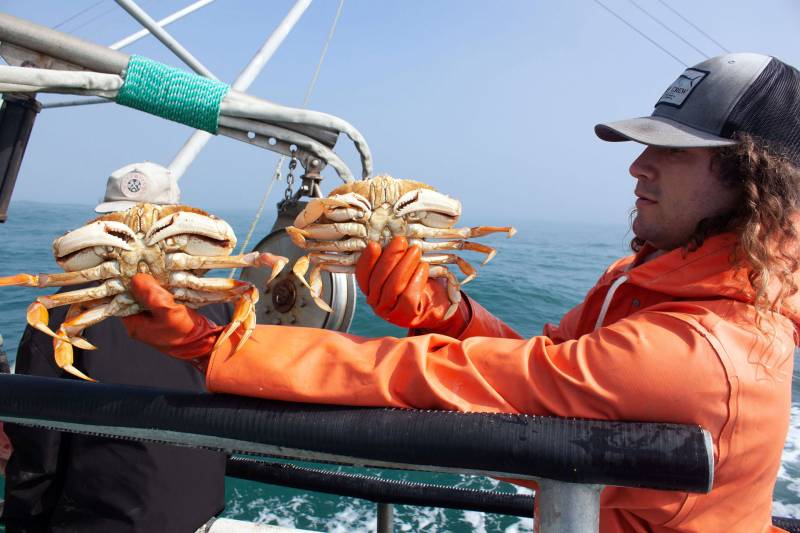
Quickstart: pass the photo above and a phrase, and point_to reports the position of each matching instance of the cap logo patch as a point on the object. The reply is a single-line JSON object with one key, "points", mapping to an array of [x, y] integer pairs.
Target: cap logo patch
{"points": [[134, 185], [677, 93]]}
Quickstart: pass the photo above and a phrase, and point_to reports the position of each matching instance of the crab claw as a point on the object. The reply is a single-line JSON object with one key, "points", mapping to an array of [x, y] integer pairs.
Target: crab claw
{"points": [[203, 234], [437, 210], [339, 208], [88, 246], [277, 262], [63, 356], [315, 209]]}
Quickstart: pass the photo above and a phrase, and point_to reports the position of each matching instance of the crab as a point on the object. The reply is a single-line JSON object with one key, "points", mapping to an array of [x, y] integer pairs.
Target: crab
{"points": [[176, 244], [336, 229]]}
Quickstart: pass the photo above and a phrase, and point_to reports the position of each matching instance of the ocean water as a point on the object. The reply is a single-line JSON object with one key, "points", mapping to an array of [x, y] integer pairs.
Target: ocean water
{"points": [[536, 277]]}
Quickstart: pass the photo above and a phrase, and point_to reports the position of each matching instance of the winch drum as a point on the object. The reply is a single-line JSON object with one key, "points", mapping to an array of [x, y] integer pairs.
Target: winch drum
{"points": [[286, 300]]}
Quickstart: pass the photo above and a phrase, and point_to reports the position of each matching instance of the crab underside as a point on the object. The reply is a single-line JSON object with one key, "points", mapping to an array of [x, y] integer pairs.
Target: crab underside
{"points": [[334, 230], [176, 244]]}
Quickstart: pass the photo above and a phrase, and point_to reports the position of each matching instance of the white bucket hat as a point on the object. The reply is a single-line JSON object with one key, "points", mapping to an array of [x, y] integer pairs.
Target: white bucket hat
{"points": [[137, 183]]}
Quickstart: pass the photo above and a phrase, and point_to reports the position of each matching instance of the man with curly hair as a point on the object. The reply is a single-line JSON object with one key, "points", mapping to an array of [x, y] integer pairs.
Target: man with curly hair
{"points": [[698, 326]]}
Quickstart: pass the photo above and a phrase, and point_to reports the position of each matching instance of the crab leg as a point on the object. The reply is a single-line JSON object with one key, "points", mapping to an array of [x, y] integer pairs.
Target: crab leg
{"points": [[121, 305], [421, 231], [428, 246], [194, 298], [38, 317], [190, 281], [315, 281], [326, 232], [24, 280], [442, 259], [109, 288], [300, 266], [181, 261], [109, 269], [453, 288], [75, 310], [244, 311], [243, 314], [345, 245], [195, 292], [349, 258]]}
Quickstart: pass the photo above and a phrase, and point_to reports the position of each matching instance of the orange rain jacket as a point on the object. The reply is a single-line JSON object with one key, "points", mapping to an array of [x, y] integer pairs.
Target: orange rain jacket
{"points": [[669, 340]]}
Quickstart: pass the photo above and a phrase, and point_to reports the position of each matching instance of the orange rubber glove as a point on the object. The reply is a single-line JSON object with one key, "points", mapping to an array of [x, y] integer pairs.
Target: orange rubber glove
{"points": [[396, 284], [167, 326]]}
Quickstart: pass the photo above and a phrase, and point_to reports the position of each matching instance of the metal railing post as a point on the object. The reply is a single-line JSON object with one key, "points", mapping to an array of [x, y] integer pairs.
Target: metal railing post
{"points": [[385, 518], [564, 507]]}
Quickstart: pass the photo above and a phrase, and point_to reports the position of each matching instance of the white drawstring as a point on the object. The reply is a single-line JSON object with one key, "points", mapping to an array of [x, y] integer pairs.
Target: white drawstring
{"points": [[607, 302]]}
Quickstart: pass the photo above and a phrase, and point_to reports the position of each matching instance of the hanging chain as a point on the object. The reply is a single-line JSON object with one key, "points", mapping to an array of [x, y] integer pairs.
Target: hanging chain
{"points": [[288, 194]]}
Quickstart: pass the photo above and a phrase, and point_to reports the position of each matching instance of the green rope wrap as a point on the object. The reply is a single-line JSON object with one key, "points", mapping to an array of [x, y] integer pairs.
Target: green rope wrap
{"points": [[172, 93]]}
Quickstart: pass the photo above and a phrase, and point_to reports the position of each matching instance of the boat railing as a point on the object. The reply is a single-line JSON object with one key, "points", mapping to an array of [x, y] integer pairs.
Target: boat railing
{"points": [[570, 459]]}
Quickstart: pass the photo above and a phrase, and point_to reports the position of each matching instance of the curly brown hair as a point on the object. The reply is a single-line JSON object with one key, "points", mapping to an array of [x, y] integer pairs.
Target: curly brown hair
{"points": [[764, 219]]}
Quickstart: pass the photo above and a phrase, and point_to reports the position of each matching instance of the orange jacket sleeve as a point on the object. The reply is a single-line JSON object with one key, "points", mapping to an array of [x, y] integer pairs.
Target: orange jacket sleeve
{"points": [[482, 323], [650, 366]]}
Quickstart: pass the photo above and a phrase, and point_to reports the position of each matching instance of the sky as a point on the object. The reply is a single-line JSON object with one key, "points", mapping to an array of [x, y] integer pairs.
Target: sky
{"points": [[492, 102]]}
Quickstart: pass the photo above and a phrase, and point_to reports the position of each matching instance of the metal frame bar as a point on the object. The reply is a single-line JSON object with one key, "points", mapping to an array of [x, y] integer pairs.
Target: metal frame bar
{"points": [[163, 23], [195, 144], [162, 35], [95, 57]]}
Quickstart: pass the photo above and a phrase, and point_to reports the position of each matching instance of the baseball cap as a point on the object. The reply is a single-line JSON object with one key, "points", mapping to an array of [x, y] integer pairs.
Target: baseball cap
{"points": [[137, 183], [712, 101]]}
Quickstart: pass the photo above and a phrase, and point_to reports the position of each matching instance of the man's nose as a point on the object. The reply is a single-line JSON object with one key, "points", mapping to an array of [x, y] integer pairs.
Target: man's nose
{"points": [[641, 168]]}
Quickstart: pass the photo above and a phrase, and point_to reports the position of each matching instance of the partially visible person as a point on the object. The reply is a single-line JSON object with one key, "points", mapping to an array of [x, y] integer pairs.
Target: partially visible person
{"points": [[61, 482], [698, 326], [5, 443]]}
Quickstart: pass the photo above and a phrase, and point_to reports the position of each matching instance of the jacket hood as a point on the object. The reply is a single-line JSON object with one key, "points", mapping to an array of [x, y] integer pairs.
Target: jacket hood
{"points": [[707, 272]]}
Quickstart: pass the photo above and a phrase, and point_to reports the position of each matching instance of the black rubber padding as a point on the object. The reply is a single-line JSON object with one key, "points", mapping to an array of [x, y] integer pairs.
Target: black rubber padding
{"points": [[658, 456], [792, 525]]}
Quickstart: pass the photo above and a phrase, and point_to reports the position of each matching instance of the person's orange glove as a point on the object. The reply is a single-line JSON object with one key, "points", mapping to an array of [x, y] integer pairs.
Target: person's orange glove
{"points": [[396, 284], [167, 326]]}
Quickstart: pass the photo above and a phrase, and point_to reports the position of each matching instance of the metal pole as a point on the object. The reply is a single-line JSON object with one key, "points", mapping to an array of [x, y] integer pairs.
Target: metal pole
{"points": [[72, 103], [564, 507], [385, 517], [161, 34], [38, 38], [252, 70], [198, 140], [166, 21]]}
